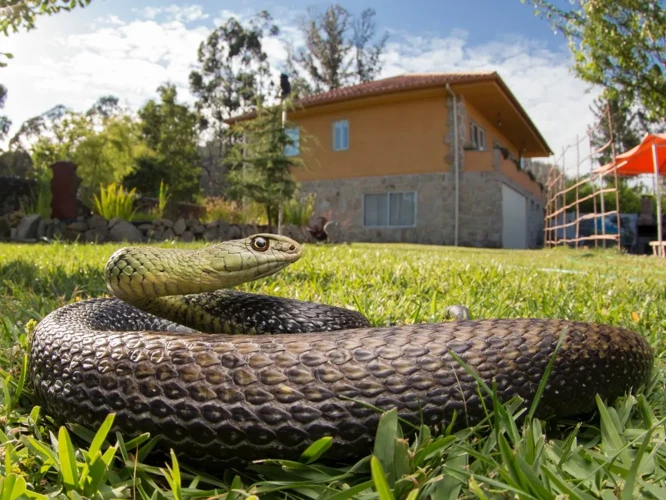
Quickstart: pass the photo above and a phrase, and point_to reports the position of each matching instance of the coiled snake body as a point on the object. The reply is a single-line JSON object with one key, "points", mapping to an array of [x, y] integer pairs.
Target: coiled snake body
{"points": [[216, 398]]}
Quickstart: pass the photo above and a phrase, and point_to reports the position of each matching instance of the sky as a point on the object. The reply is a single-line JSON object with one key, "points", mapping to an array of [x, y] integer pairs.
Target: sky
{"points": [[128, 48]]}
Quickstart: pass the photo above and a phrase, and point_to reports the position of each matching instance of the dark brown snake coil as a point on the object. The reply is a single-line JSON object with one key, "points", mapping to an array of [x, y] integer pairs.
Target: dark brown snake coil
{"points": [[219, 399]]}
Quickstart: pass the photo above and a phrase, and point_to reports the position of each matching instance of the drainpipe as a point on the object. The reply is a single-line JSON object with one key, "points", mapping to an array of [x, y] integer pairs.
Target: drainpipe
{"points": [[456, 207]]}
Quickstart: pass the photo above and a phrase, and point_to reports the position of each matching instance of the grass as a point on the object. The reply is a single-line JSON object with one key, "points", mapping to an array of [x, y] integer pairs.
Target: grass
{"points": [[618, 453]]}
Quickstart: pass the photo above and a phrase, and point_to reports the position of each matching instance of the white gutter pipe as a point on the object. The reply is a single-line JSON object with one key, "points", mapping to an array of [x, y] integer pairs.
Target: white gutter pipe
{"points": [[456, 208]]}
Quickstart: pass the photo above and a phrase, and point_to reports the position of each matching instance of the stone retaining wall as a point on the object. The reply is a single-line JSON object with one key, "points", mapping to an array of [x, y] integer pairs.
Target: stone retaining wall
{"points": [[96, 229]]}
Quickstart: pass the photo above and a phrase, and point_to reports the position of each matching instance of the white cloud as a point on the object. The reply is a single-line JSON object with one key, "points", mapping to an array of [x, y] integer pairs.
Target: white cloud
{"points": [[127, 59], [180, 13], [130, 59]]}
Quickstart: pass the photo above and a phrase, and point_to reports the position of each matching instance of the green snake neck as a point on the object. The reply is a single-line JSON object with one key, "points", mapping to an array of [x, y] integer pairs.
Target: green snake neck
{"points": [[156, 279]]}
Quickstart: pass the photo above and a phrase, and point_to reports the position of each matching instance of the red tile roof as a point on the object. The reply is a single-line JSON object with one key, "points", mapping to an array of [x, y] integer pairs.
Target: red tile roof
{"points": [[389, 85], [393, 84], [404, 83]]}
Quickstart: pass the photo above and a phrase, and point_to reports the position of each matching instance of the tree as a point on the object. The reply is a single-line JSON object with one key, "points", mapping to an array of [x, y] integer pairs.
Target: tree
{"points": [[105, 107], [627, 130], [169, 131], [104, 148], [50, 137], [260, 169], [233, 76], [22, 13], [5, 122], [107, 154], [618, 44], [16, 163], [540, 170], [630, 198], [37, 126], [338, 50]]}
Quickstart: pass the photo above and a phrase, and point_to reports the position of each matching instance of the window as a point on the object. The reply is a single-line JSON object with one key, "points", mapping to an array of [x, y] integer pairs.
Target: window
{"points": [[477, 136], [389, 209], [292, 149], [340, 135]]}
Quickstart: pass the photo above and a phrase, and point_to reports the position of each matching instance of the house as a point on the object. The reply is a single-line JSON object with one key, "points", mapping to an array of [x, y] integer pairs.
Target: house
{"points": [[423, 158]]}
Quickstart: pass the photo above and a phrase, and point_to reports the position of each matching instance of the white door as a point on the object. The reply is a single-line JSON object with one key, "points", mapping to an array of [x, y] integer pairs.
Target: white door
{"points": [[514, 218]]}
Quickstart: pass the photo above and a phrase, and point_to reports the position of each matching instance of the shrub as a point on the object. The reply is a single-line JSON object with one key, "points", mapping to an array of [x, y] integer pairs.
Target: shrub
{"points": [[218, 208], [163, 197], [114, 201], [41, 200], [299, 210]]}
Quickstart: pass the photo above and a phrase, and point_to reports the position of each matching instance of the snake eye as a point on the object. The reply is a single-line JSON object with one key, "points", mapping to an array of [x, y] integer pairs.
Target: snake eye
{"points": [[260, 244]]}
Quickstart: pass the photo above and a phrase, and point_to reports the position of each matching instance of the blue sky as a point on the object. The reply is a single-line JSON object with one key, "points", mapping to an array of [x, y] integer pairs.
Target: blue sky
{"points": [[484, 20], [127, 48]]}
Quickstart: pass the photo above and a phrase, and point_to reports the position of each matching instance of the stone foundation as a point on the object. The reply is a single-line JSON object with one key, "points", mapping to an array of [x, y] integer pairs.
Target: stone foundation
{"points": [[342, 201], [480, 217]]}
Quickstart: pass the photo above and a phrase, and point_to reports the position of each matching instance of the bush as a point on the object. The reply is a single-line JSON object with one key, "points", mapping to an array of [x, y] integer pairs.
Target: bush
{"points": [[299, 210], [40, 202], [114, 201], [163, 197], [218, 208]]}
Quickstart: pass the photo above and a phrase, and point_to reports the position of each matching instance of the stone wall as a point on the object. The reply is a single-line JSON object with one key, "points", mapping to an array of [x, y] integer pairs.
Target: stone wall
{"points": [[341, 200], [96, 229], [15, 191], [480, 218]]}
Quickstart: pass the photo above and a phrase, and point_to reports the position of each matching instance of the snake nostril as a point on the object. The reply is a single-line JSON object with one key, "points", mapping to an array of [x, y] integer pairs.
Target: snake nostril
{"points": [[292, 247]]}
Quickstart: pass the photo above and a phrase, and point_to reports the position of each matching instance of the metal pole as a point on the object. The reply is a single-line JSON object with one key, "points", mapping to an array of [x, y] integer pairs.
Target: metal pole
{"points": [[594, 198], [280, 207], [617, 185], [577, 191], [594, 205], [563, 187], [657, 190], [546, 224]]}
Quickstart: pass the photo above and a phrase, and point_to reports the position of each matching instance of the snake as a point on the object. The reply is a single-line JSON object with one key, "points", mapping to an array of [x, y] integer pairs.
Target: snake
{"points": [[227, 377]]}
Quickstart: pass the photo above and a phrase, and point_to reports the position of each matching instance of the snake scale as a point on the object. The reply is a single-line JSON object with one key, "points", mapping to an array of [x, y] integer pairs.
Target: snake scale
{"points": [[176, 354]]}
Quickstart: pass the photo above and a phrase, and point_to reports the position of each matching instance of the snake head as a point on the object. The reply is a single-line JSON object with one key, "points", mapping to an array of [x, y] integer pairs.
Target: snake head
{"points": [[254, 257], [140, 273]]}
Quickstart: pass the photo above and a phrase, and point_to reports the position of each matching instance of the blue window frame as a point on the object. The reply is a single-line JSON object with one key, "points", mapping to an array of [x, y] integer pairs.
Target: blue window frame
{"points": [[340, 135], [293, 149]]}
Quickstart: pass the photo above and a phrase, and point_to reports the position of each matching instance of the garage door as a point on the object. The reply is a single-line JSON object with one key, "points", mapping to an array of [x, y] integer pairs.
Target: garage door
{"points": [[514, 218]]}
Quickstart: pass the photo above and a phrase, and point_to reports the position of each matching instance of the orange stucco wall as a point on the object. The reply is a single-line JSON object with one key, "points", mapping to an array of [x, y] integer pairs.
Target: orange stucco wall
{"points": [[483, 161], [509, 169], [394, 136], [493, 133], [385, 138]]}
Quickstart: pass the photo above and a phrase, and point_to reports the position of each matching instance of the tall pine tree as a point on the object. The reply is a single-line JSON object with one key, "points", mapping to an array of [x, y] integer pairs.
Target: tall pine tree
{"points": [[258, 162], [340, 50], [233, 75]]}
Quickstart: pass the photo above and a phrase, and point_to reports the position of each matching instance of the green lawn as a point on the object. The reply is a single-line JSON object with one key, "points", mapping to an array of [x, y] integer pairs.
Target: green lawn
{"points": [[619, 453]]}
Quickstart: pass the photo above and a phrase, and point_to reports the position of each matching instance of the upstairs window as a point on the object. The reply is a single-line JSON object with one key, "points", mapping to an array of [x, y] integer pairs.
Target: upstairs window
{"points": [[340, 135], [293, 148], [477, 136]]}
